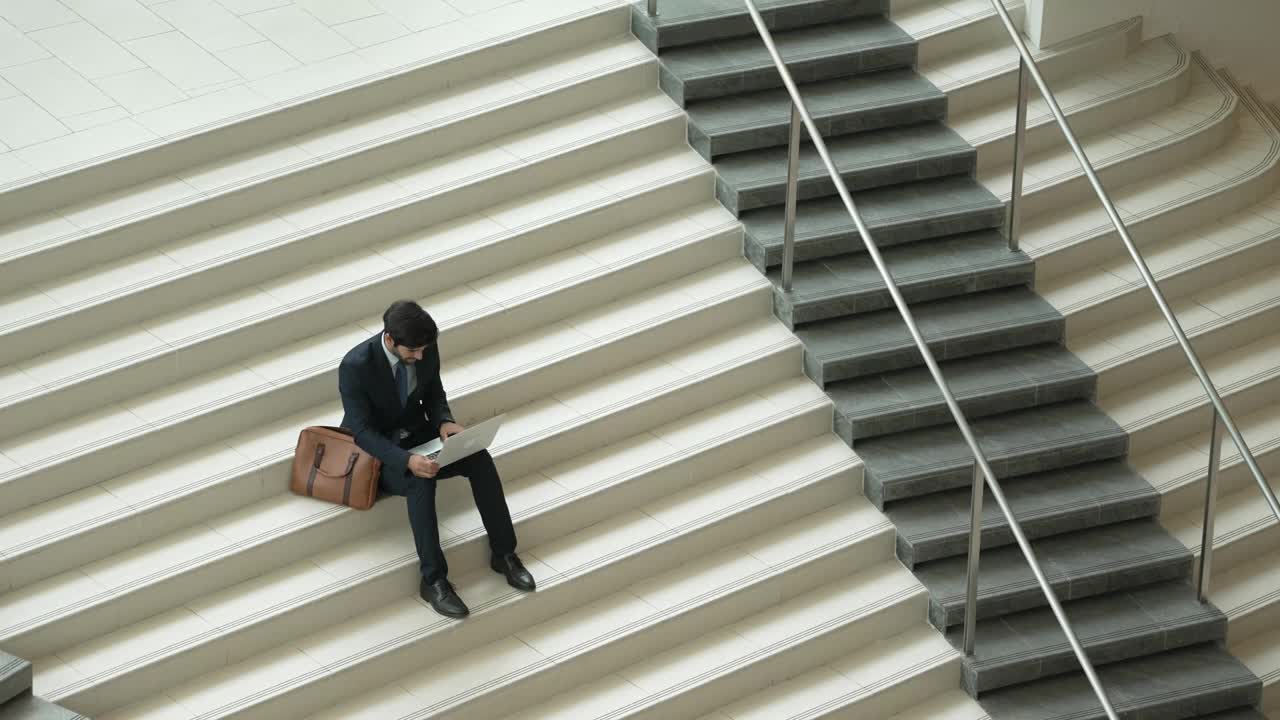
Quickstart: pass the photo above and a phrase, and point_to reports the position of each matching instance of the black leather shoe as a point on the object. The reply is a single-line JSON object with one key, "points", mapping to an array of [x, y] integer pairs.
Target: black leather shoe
{"points": [[510, 566], [443, 599]]}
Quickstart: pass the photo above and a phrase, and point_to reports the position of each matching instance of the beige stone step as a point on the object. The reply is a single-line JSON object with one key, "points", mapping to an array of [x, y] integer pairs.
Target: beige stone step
{"points": [[847, 627], [547, 421], [561, 241], [242, 253], [601, 562], [1241, 173]]}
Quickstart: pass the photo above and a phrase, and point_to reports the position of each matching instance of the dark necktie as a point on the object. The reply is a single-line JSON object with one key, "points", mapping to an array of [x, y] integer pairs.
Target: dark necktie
{"points": [[402, 383]]}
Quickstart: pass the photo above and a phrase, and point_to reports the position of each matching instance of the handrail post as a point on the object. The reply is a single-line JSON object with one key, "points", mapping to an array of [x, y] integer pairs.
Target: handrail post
{"points": [[793, 178], [1019, 154], [975, 548], [653, 8], [1210, 501]]}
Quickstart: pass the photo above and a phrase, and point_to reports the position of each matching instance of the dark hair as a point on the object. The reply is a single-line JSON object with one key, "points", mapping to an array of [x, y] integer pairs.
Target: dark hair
{"points": [[409, 325]]}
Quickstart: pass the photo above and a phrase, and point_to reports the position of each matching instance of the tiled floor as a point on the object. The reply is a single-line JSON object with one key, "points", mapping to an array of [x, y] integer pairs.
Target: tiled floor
{"points": [[80, 78]]}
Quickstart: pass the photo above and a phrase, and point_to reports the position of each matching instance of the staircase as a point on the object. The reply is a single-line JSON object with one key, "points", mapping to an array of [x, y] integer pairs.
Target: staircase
{"points": [[172, 320], [917, 115], [706, 540]]}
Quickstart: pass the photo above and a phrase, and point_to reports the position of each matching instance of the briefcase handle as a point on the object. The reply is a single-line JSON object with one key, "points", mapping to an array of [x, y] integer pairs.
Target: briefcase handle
{"points": [[351, 463]]}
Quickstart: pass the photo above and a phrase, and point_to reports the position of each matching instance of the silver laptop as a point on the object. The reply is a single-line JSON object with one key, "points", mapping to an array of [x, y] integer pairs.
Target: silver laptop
{"points": [[458, 446]]}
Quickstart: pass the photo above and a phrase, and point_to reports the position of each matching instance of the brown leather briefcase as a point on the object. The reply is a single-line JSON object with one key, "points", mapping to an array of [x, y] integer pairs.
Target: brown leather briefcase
{"points": [[328, 465]]}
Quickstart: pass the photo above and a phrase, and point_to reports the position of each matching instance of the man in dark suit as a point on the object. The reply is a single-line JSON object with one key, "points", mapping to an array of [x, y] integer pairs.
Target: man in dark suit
{"points": [[393, 400]]}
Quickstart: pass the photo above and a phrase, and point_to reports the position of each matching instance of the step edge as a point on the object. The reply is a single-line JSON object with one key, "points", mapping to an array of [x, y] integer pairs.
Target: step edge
{"points": [[941, 466], [1063, 649], [820, 174], [989, 328], [916, 405], [898, 102], [793, 60], [1001, 522], [772, 243], [800, 298], [956, 601]]}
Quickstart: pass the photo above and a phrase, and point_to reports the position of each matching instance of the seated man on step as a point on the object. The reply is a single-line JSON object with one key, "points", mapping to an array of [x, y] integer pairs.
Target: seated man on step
{"points": [[393, 400]]}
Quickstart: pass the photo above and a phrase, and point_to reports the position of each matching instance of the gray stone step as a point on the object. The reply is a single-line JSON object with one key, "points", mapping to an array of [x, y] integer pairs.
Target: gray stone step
{"points": [[822, 52], [1112, 627], [895, 215], [15, 676], [685, 22], [945, 267], [962, 326], [1240, 713], [983, 384], [28, 707], [1068, 499], [750, 121], [1174, 685], [1039, 439], [1109, 558], [876, 158]]}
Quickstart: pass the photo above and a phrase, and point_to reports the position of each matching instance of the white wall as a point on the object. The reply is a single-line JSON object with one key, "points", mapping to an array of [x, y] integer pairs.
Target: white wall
{"points": [[1240, 35], [1050, 22]]}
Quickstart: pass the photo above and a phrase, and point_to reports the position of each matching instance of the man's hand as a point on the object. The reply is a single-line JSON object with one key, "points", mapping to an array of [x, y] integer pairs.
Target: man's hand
{"points": [[449, 428], [423, 466]]}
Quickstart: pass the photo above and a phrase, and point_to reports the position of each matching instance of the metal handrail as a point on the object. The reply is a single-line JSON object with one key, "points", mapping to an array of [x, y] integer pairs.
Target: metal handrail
{"points": [[982, 469], [1027, 66]]}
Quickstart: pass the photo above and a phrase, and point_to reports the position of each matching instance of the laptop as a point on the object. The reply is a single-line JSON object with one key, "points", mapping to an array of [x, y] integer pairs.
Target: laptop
{"points": [[471, 440]]}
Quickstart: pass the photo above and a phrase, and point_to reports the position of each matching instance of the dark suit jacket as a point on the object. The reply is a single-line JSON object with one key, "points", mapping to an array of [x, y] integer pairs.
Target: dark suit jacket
{"points": [[371, 405]]}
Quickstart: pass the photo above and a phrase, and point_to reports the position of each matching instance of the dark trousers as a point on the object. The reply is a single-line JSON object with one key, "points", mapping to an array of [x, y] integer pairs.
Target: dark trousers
{"points": [[420, 494]]}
